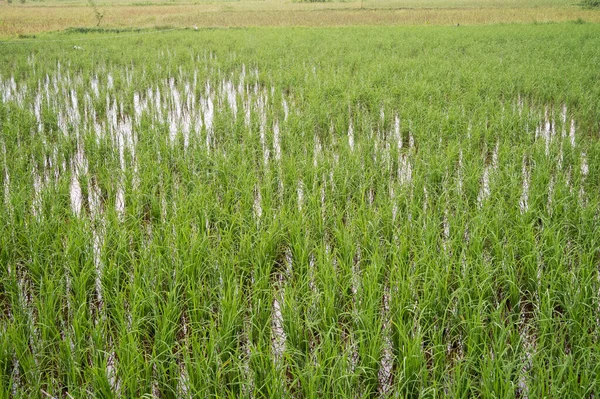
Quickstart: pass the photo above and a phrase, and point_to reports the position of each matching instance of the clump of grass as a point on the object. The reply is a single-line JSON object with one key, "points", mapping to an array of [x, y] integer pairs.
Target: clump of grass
{"points": [[590, 4], [82, 30]]}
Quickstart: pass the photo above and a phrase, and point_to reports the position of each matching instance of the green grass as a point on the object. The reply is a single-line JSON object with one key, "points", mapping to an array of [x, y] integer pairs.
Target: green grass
{"points": [[371, 212]]}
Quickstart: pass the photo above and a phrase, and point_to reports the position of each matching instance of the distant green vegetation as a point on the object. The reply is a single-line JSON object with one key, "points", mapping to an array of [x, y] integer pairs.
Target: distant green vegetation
{"points": [[313, 1], [591, 3], [332, 212]]}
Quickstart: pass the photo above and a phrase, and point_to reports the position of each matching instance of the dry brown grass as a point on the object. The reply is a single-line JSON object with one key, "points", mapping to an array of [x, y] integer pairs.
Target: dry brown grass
{"points": [[27, 20], [298, 4]]}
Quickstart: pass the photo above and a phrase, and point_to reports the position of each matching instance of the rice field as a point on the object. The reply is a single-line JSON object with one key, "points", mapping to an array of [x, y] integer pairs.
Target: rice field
{"points": [[301, 212]]}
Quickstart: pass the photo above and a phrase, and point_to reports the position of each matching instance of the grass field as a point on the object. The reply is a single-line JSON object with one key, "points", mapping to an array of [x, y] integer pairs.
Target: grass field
{"points": [[35, 17], [279, 4], [301, 212]]}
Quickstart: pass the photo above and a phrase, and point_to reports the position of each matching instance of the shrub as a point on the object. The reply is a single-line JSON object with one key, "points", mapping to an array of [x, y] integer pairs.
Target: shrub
{"points": [[590, 3]]}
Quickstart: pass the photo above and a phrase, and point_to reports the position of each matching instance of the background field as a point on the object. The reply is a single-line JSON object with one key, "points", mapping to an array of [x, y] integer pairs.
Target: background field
{"points": [[278, 4], [301, 212], [35, 17]]}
